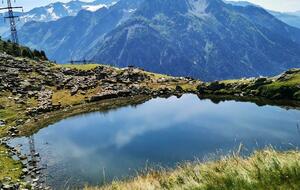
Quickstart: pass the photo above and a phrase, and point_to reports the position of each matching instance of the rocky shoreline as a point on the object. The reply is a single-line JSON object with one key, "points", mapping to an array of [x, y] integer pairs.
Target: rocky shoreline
{"points": [[30, 89], [31, 177], [42, 87]]}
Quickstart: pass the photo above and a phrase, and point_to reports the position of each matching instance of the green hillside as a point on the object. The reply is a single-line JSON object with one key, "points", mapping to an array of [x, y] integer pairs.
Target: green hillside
{"points": [[20, 51]]}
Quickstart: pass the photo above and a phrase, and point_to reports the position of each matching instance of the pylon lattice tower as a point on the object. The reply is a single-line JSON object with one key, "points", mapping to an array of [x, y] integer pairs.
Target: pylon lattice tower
{"points": [[12, 22]]}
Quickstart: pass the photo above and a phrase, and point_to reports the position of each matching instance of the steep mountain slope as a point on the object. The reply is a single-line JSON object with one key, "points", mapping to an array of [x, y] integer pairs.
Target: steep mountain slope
{"points": [[207, 39], [204, 39], [70, 37]]}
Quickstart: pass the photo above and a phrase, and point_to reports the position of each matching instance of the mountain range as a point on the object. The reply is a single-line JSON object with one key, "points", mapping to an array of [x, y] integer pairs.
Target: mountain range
{"points": [[206, 39], [290, 18], [55, 11]]}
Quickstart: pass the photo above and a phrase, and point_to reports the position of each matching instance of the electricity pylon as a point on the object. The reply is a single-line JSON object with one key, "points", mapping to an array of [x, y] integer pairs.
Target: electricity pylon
{"points": [[12, 21]]}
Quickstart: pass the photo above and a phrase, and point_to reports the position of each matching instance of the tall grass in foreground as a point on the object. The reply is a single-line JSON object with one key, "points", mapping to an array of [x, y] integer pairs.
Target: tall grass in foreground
{"points": [[263, 170]]}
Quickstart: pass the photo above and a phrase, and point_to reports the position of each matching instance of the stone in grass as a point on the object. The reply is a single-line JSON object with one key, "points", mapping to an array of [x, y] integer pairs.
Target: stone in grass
{"points": [[25, 171], [10, 186], [23, 157], [7, 178], [2, 123], [13, 129], [7, 186], [297, 95], [36, 180]]}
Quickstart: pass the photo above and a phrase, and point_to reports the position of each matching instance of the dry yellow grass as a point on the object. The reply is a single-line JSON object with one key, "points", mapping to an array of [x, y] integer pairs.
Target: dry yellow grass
{"points": [[266, 169], [65, 98]]}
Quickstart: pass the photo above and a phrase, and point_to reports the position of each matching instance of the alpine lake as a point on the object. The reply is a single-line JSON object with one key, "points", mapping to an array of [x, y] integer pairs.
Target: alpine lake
{"points": [[99, 147]]}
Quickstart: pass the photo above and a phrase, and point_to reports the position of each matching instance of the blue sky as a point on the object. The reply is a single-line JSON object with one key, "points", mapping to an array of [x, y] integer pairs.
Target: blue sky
{"points": [[278, 5]]}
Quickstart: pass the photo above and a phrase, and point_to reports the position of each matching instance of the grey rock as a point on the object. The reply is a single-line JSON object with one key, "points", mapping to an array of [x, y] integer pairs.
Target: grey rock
{"points": [[25, 171], [74, 90], [2, 123]]}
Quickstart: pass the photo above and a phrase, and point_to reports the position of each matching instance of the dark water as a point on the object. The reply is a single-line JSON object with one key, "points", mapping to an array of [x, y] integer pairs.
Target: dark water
{"points": [[96, 148]]}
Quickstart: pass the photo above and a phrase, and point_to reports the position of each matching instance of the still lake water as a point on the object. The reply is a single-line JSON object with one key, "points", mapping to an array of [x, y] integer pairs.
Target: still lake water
{"points": [[97, 147]]}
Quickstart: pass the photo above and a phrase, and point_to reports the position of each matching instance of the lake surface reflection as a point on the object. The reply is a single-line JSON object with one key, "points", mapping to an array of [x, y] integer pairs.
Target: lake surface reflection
{"points": [[98, 147]]}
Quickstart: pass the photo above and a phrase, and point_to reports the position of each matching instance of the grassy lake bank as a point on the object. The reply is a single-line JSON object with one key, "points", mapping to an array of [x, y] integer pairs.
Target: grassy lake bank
{"points": [[266, 169]]}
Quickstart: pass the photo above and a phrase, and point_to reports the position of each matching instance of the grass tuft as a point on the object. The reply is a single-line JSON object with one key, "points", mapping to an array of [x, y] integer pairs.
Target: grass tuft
{"points": [[263, 170]]}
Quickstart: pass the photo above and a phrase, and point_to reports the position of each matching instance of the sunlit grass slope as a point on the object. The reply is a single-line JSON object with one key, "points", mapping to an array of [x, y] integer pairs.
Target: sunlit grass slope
{"points": [[264, 170]]}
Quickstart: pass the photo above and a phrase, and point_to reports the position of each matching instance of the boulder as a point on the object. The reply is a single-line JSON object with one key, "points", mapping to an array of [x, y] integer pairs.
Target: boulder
{"points": [[260, 81], [297, 95], [179, 89], [8, 187], [292, 71], [216, 86], [103, 96], [13, 129], [109, 95], [25, 171], [2, 123], [74, 90]]}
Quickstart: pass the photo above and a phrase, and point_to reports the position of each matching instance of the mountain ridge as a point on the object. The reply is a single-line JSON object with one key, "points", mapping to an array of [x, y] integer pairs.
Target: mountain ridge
{"points": [[290, 18], [203, 39], [55, 11], [213, 7]]}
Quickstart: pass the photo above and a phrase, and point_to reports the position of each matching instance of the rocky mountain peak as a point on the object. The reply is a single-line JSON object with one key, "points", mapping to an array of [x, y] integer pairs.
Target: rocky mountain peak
{"points": [[170, 8], [198, 7]]}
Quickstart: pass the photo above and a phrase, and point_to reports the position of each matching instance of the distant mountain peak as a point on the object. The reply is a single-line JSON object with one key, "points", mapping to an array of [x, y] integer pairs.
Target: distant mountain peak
{"points": [[57, 10], [151, 8]]}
